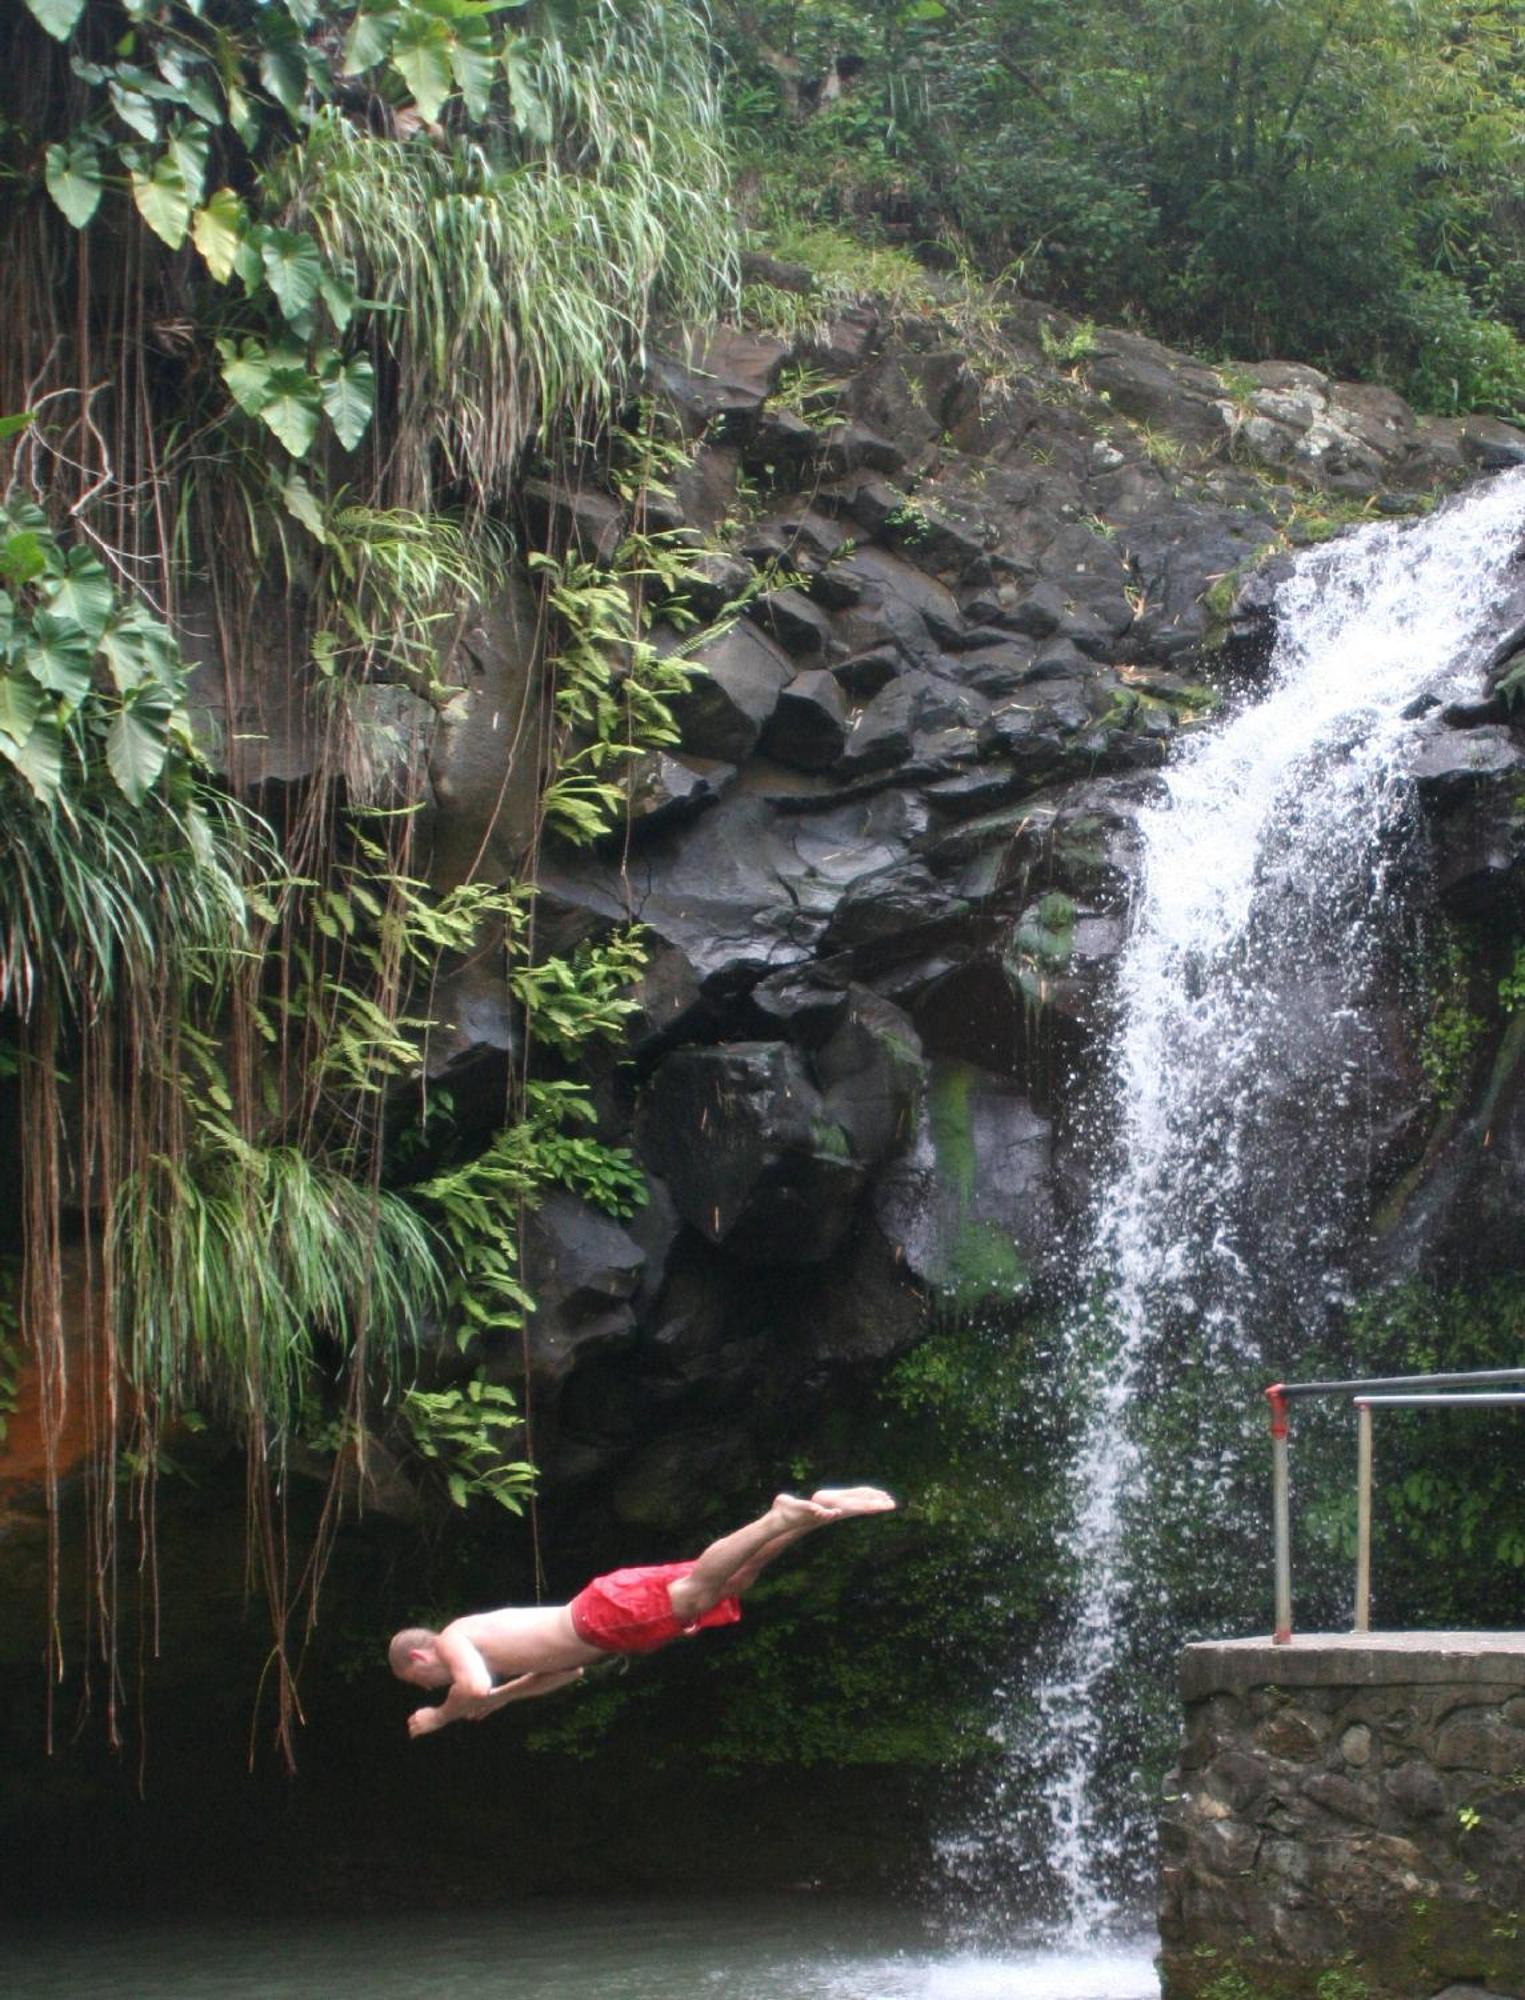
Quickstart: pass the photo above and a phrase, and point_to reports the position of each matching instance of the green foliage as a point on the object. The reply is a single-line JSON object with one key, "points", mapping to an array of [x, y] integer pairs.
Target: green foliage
{"points": [[1066, 349], [477, 1206], [845, 269], [251, 1276], [118, 853], [1042, 945], [1453, 1030], [1331, 182], [283, 275], [523, 258], [454, 1428], [1512, 984], [61, 724], [1450, 1525]]}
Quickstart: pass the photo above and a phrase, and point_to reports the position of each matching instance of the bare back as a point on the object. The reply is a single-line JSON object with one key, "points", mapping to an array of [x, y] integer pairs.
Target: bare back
{"points": [[523, 1639]]}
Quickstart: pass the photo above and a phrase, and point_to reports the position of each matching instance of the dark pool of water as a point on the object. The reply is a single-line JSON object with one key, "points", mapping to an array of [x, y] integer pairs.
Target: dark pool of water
{"points": [[797, 1948]]}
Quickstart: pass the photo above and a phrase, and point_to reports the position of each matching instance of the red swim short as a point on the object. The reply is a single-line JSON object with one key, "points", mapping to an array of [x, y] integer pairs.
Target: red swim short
{"points": [[628, 1610]]}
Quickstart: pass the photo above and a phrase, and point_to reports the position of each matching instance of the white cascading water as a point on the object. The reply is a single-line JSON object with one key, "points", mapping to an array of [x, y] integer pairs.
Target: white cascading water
{"points": [[1242, 1065]]}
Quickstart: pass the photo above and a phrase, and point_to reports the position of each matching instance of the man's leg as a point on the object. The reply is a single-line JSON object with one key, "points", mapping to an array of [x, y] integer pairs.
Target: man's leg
{"points": [[729, 1566]]}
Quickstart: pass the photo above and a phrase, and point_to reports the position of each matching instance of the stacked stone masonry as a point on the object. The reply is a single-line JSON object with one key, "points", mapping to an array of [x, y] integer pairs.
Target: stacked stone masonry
{"points": [[1348, 1820]]}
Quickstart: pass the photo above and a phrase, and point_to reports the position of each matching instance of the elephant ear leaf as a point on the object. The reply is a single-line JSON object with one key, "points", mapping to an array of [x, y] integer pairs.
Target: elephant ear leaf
{"points": [[74, 178], [217, 232], [56, 17], [137, 743], [349, 397], [164, 200]]}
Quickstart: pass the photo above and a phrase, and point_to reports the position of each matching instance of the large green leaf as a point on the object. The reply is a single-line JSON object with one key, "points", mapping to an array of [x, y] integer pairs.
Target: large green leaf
{"points": [[246, 368], [292, 409], [530, 113], [84, 594], [74, 178], [217, 230], [58, 656], [340, 297], [23, 556], [139, 649], [475, 63], [293, 270], [349, 397], [134, 109], [421, 54], [370, 36], [40, 759], [56, 17], [284, 74], [164, 200], [188, 146], [303, 505], [137, 743], [22, 701], [183, 70]]}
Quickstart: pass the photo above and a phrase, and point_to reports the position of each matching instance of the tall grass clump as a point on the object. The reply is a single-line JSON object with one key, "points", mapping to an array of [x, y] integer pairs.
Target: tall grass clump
{"points": [[516, 269]]}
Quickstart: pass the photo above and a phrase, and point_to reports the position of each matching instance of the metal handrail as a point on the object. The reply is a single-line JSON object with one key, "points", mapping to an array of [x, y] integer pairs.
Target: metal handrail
{"points": [[1367, 1393]]}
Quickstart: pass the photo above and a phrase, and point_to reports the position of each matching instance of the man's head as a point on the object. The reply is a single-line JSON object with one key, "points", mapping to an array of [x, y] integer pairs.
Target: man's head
{"points": [[414, 1657]]}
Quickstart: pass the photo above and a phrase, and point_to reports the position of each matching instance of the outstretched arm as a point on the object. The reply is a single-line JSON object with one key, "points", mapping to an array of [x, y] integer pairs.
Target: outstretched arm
{"points": [[460, 1706]]}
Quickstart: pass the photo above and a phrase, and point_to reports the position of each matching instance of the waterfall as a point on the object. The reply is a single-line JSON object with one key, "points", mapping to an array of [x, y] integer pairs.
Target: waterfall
{"points": [[1247, 1069]]}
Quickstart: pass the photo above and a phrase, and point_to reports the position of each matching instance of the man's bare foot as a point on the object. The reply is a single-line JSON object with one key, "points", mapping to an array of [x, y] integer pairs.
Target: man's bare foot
{"points": [[793, 1512], [841, 1500]]}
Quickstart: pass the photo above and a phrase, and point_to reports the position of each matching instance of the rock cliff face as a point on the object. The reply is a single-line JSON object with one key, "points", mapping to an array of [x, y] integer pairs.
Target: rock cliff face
{"points": [[884, 873], [883, 877]]}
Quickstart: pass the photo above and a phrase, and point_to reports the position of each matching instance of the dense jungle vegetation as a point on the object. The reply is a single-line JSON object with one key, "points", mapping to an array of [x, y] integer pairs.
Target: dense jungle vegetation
{"points": [[1335, 181], [293, 293]]}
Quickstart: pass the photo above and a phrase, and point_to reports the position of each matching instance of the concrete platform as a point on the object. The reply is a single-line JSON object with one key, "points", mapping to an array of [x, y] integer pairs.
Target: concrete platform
{"points": [[1354, 1659]]}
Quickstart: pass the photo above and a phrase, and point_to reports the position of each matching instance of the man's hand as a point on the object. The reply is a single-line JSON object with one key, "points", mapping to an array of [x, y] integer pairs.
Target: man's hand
{"points": [[459, 1707]]}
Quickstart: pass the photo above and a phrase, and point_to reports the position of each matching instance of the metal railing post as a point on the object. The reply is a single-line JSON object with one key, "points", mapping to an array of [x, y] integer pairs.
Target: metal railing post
{"points": [[1363, 1516], [1484, 1388], [1281, 1514]]}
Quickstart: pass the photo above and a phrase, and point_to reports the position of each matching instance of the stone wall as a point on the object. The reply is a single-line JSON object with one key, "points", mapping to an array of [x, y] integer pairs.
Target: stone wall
{"points": [[1348, 1820]]}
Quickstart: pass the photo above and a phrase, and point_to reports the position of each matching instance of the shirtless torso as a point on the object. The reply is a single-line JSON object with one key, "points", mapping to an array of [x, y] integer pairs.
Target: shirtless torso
{"points": [[521, 1639]]}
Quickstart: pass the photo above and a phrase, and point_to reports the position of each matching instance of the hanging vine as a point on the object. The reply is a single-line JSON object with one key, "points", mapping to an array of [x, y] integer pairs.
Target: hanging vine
{"points": [[294, 287]]}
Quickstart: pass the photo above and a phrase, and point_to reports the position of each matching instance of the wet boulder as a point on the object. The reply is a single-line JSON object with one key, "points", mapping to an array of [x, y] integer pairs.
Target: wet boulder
{"points": [[722, 711], [808, 729], [584, 1270], [897, 605], [661, 789], [870, 1073], [970, 1204], [750, 1153]]}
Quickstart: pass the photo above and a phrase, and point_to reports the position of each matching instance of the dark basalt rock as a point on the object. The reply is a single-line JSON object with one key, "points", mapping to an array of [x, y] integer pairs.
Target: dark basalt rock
{"points": [[808, 729], [724, 708], [870, 1073], [585, 1271], [663, 789], [713, 581], [892, 904], [1448, 762], [749, 1152], [802, 1007], [855, 447], [970, 1205], [898, 605], [864, 674], [566, 517], [799, 626]]}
